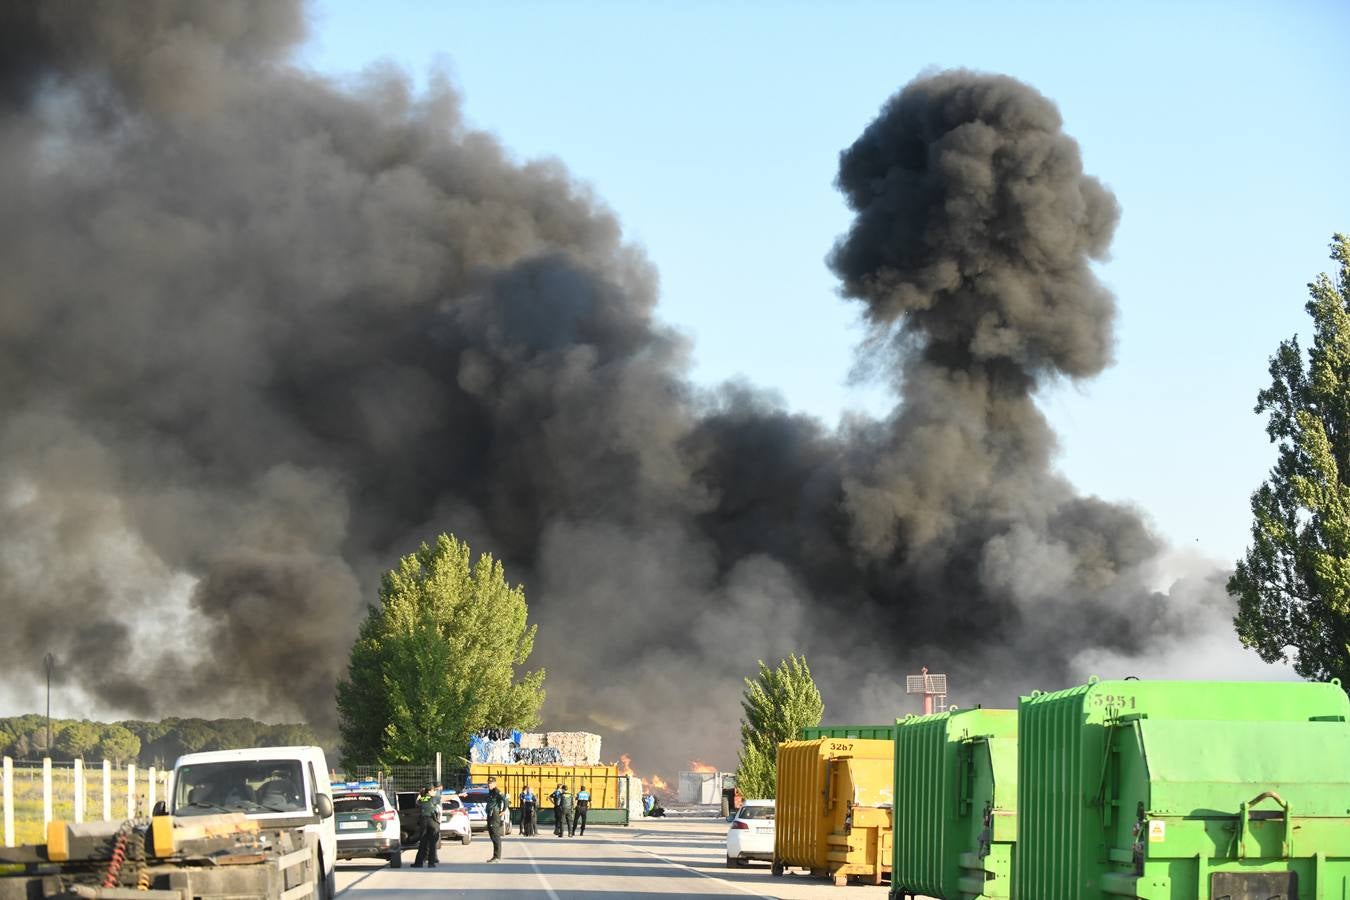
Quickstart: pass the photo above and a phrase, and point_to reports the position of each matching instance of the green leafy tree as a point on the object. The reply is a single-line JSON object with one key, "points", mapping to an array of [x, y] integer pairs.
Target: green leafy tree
{"points": [[77, 740], [778, 704], [1293, 586], [436, 660], [119, 745]]}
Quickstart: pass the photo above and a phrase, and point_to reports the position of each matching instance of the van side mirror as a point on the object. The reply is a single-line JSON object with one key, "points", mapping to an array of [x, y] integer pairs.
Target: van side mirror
{"points": [[323, 805], [161, 809]]}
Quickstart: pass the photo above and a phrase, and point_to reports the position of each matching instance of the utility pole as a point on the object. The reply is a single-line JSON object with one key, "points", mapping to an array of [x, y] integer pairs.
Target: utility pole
{"points": [[49, 661]]}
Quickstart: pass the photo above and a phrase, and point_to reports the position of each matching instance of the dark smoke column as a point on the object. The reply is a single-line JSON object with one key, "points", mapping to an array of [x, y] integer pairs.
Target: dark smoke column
{"points": [[971, 251], [261, 333], [975, 225]]}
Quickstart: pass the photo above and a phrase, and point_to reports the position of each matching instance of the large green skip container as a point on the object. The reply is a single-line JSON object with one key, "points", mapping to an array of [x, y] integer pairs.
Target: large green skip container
{"points": [[1184, 790], [955, 820], [858, 732]]}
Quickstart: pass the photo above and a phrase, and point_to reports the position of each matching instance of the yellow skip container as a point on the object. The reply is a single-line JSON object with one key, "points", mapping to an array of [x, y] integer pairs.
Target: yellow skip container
{"points": [[834, 808], [602, 781]]}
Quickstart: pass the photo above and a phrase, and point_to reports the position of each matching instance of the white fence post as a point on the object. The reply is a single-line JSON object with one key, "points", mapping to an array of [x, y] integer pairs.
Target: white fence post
{"points": [[150, 789], [79, 791], [7, 788], [46, 794], [131, 790], [107, 791], [168, 789]]}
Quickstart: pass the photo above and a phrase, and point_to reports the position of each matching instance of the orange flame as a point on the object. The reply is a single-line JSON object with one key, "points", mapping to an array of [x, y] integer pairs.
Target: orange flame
{"points": [[649, 785], [698, 766]]}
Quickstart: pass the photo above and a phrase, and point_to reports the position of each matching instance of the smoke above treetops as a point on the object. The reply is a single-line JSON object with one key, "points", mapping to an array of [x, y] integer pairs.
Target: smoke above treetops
{"points": [[261, 333]]}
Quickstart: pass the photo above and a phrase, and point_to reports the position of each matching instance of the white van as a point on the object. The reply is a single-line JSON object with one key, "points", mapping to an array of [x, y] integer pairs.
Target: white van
{"points": [[286, 787]]}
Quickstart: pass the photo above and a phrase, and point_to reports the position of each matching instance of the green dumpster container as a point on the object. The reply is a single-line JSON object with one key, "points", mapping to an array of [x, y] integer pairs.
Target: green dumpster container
{"points": [[1176, 790], [860, 732], [955, 817]]}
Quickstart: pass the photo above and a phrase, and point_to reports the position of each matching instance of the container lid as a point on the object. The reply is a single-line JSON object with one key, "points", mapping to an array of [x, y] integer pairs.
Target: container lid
{"points": [[1207, 768]]}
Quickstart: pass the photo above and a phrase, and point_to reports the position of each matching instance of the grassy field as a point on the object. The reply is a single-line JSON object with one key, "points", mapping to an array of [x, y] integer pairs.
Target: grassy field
{"points": [[28, 797]]}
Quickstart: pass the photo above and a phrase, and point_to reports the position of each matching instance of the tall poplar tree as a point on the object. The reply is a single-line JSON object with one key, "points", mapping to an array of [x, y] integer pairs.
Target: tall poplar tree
{"points": [[778, 704], [1293, 586], [436, 660]]}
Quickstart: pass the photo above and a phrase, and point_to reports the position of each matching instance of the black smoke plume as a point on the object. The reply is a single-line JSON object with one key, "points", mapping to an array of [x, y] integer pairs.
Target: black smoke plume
{"points": [[261, 332]]}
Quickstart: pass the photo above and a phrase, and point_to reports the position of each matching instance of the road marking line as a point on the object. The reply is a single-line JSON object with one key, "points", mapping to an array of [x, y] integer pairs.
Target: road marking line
{"points": [[534, 865], [730, 884]]}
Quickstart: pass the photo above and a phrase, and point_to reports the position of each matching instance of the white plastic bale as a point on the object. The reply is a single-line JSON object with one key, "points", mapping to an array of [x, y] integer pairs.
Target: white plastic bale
{"points": [[499, 753]]}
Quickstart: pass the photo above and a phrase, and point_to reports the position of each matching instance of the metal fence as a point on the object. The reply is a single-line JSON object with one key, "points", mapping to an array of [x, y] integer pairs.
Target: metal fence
{"points": [[405, 778]]}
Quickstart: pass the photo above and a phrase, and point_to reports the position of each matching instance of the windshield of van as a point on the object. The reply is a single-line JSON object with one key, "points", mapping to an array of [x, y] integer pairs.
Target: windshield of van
{"points": [[247, 786]]}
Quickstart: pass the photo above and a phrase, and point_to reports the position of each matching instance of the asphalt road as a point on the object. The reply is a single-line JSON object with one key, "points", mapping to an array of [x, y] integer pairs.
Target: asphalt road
{"points": [[672, 857]]}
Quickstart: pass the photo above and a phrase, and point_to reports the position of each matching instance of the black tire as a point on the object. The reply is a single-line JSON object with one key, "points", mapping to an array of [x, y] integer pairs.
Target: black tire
{"points": [[325, 886], [777, 868], [732, 862], [396, 860], [467, 839]]}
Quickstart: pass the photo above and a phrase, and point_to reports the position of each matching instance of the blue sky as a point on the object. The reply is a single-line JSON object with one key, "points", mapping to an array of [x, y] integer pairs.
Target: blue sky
{"points": [[713, 131]]}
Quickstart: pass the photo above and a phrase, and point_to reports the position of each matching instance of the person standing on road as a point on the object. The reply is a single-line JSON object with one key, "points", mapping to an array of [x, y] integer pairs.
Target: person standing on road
{"points": [[556, 799], [583, 806], [527, 814], [496, 806], [429, 818], [566, 811], [438, 793]]}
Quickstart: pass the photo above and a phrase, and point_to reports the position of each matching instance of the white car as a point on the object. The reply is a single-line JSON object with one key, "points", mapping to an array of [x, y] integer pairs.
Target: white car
{"points": [[475, 797], [282, 787], [455, 820], [751, 833], [367, 823]]}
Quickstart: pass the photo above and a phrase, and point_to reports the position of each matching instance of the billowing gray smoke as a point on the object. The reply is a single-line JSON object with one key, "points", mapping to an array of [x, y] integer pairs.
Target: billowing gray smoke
{"points": [[260, 333]]}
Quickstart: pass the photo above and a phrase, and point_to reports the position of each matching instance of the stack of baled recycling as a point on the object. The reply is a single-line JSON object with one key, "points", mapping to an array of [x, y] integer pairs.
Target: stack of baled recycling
{"points": [[531, 740], [539, 756], [578, 748]]}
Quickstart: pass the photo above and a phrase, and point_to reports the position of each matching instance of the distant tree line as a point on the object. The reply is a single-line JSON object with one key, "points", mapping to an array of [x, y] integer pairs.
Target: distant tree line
{"points": [[144, 743]]}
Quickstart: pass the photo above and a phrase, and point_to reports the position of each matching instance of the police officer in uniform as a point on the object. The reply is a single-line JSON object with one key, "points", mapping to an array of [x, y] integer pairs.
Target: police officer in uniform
{"points": [[556, 798], [496, 806], [566, 800], [429, 816], [528, 802], [583, 805]]}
